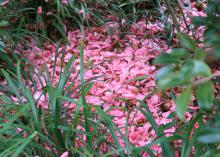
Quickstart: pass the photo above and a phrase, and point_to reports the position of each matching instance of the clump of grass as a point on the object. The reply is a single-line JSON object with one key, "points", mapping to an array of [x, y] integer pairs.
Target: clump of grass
{"points": [[49, 132]]}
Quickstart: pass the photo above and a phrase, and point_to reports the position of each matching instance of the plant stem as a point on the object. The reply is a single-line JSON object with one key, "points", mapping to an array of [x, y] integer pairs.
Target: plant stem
{"points": [[198, 82], [172, 13]]}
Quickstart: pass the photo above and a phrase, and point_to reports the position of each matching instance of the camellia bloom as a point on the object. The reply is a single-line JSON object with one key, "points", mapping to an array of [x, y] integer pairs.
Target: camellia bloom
{"points": [[39, 10]]}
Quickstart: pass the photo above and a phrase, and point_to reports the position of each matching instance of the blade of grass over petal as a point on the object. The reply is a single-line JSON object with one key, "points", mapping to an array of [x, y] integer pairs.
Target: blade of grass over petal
{"points": [[86, 108], [12, 85], [167, 151], [24, 144], [186, 138]]}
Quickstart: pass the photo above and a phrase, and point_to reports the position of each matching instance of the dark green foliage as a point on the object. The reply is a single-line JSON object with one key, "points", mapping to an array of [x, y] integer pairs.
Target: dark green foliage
{"points": [[184, 65], [190, 74], [212, 24]]}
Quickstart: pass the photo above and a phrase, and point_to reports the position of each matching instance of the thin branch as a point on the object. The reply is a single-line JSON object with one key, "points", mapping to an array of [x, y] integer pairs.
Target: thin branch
{"points": [[203, 80], [172, 13]]}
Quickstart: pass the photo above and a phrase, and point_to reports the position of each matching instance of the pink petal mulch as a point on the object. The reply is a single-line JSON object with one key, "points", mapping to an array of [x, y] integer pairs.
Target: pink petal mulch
{"points": [[123, 69]]}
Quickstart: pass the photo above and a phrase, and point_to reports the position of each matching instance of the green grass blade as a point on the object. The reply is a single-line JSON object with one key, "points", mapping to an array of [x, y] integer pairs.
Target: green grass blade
{"points": [[167, 151], [24, 144]]}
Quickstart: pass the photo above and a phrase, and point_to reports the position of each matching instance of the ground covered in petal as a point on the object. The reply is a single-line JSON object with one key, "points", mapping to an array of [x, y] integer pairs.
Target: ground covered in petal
{"points": [[120, 66]]}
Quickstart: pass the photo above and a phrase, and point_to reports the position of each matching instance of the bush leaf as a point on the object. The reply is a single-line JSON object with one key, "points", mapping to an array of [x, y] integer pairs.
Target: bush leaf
{"points": [[187, 42], [166, 59], [205, 94], [209, 135], [182, 102], [200, 68]]}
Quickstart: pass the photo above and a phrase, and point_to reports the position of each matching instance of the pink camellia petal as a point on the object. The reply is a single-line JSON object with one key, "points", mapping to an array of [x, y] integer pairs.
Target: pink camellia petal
{"points": [[65, 154], [116, 113], [155, 99], [81, 11], [18, 130], [65, 2], [39, 10]]}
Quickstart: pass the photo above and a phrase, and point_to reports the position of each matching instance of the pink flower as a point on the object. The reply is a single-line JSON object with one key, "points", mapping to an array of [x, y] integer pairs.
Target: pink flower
{"points": [[65, 154], [155, 99], [39, 10]]}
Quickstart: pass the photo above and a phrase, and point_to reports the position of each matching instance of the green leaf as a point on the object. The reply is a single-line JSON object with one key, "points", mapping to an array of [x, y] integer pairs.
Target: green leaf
{"points": [[33, 108], [187, 71], [186, 148], [63, 76], [24, 144], [200, 54], [187, 42], [201, 68], [12, 85], [165, 71], [209, 135], [217, 51], [108, 122], [167, 77], [165, 59], [2, 45], [174, 57], [180, 52], [205, 94], [139, 78], [167, 151], [171, 81], [4, 23], [199, 21], [210, 138], [182, 102]]}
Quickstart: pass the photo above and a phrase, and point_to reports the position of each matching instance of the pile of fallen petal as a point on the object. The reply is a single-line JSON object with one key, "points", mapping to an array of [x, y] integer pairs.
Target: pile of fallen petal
{"points": [[123, 72]]}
